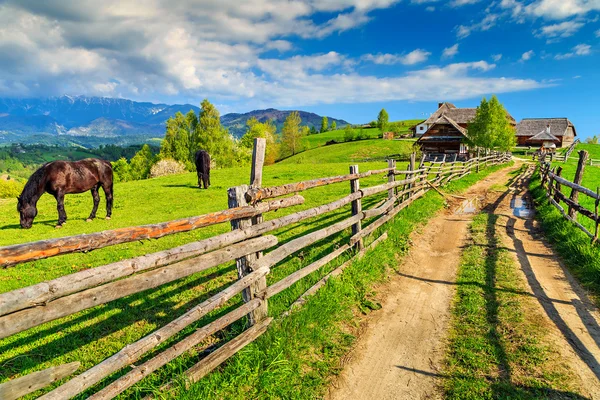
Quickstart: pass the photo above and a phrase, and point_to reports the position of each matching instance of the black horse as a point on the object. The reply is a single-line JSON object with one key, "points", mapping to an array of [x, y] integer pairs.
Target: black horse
{"points": [[203, 168], [64, 177]]}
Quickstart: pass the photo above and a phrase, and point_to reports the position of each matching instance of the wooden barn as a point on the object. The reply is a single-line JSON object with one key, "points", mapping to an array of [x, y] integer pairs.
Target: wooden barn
{"points": [[447, 130], [537, 131]]}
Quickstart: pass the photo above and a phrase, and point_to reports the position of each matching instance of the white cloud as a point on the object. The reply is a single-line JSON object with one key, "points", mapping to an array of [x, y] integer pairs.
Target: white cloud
{"points": [[450, 52], [430, 8], [560, 9], [579, 50], [527, 55], [460, 3], [414, 57], [598, 33], [560, 30], [199, 48], [497, 57], [486, 23]]}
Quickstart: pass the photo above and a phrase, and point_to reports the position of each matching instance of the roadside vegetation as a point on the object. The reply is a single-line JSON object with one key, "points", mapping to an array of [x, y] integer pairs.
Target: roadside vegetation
{"points": [[497, 344]]}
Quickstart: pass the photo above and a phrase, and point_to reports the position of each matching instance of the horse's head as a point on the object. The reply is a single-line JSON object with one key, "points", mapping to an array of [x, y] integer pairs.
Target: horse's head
{"points": [[27, 212]]}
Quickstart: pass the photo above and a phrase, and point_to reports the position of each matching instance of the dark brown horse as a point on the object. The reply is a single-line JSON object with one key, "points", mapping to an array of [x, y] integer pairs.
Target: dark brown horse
{"points": [[65, 177], [203, 168]]}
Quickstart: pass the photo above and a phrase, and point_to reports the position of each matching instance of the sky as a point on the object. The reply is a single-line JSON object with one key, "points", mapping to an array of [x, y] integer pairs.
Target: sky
{"points": [[342, 58]]}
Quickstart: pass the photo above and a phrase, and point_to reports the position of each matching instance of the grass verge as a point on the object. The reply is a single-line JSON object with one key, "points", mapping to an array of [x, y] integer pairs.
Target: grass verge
{"points": [[581, 257], [497, 348]]}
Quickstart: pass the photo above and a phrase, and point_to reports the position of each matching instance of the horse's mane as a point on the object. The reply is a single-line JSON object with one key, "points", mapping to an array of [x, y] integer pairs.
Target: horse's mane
{"points": [[31, 188]]}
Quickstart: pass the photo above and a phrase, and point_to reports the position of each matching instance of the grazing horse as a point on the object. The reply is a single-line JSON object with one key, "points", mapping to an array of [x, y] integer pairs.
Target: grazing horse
{"points": [[65, 177], [203, 168]]}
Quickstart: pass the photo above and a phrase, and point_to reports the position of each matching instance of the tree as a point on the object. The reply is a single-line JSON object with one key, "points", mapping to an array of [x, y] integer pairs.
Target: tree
{"points": [[324, 124], [333, 126], [121, 170], [592, 140], [140, 164], [491, 128], [292, 134], [266, 130], [382, 119], [313, 130], [349, 133]]}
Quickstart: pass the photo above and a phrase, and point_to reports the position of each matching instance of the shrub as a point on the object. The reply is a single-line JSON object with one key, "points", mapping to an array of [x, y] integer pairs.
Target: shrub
{"points": [[166, 167], [348, 134], [10, 189]]}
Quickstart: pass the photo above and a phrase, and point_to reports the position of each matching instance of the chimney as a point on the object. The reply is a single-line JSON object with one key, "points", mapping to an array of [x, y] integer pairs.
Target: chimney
{"points": [[440, 105], [548, 128]]}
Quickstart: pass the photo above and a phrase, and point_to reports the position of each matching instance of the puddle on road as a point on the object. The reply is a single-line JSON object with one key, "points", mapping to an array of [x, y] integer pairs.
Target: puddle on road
{"points": [[521, 207], [469, 206]]}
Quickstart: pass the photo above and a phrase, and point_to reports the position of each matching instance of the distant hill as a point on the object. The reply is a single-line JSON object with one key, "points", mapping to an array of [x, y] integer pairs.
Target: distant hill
{"points": [[236, 123], [93, 120]]}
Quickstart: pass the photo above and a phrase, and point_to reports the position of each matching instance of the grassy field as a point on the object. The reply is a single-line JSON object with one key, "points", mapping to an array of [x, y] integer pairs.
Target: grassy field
{"points": [[353, 152], [296, 357], [496, 345]]}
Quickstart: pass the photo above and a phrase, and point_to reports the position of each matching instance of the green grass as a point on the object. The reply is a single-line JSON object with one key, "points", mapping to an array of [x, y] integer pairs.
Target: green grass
{"points": [[574, 247], [92, 335], [352, 152], [497, 350]]}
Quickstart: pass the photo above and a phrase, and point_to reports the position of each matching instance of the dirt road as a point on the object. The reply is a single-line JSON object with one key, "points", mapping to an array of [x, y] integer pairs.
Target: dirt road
{"points": [[399, 354]]}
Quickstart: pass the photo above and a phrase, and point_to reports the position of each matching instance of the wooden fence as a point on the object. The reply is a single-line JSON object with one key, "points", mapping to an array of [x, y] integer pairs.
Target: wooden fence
{"points": [[34, 305], [553, 183]]}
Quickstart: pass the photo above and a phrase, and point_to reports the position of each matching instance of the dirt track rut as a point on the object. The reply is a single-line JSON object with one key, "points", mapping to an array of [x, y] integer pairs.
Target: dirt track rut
{"points": [[400, 354]]}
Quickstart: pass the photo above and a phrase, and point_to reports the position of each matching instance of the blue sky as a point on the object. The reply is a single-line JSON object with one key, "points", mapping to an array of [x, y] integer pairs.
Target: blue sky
{"points": [[343, 58]]}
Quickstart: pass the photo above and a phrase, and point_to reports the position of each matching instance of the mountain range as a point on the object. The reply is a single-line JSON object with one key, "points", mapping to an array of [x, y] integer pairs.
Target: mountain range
{"points": [[96, 120]]}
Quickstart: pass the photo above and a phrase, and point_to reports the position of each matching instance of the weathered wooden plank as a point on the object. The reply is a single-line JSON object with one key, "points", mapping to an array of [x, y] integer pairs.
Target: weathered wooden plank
{"points": [[303, 272], [256, 194], [583, 155], [19, 253], [140, 372], [133, 352], [19, 387], [564, 214], [357, 204], [28, 318], [559, 196], [572, 185]]}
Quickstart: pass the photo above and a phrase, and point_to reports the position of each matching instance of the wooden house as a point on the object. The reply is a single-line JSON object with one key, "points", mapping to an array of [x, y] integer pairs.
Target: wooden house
{"points": [[447, 130], [535, 131]]}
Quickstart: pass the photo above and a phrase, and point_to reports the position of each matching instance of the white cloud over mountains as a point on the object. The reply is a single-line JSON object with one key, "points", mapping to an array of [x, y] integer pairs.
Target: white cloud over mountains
{"points": [[228, 49]]}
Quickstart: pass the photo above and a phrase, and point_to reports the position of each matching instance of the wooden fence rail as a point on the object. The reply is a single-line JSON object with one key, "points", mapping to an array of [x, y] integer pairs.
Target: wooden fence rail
{"points": [[34, 305], [553, 183]]}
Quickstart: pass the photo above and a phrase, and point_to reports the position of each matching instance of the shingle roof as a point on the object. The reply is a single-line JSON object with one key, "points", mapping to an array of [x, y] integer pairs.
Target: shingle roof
{"points": [[450, 121], [534, 126], [544, 136], [459, 115]]}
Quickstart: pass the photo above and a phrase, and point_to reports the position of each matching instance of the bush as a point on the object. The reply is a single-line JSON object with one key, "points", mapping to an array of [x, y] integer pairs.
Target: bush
{"points": [[166, 167], [348, 135], [10, 189]]}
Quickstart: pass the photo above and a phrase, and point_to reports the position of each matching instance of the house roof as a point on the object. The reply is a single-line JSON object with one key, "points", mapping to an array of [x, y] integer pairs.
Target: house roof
{"points": [[459, 115], [544, 136], [445, 120], [534, 126]]}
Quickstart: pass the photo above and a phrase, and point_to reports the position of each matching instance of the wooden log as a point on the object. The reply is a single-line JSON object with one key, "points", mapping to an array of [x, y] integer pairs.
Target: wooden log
{"points": [[566, 215], [408, 171], [478, 159], [294, 245], [391, 176], [315, 288], [28, 318], [557, 184], [44, 292], [357, 204], [303, 272], [583, 156], [597, 221], [140, 372], [256, 194], [24, 252], [19, 387], [133, 352], [219, 356], [382, 208], [559, 196], [576, 187]]}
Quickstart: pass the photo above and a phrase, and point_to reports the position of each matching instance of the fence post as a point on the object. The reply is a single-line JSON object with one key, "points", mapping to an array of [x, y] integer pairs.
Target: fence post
{"points": [[237, 198], [583, 155], [411, 167], [557, 187], [596, 222], [478, 151], [357, 204], [391, 176]]}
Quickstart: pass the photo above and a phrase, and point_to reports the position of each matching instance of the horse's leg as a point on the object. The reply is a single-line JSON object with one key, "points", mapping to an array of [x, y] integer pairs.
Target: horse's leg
{"points": [[60, 206], [108, 192], [96, 198], [200, 179], [205, 180]]}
